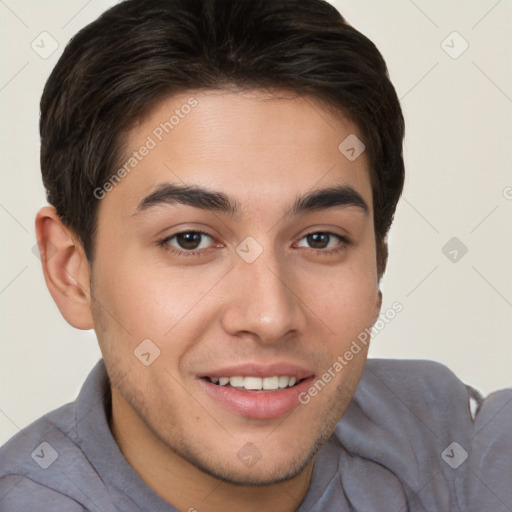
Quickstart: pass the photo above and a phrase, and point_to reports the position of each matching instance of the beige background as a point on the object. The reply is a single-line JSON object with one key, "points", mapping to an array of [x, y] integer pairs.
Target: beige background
{"points": [[458, 153]]}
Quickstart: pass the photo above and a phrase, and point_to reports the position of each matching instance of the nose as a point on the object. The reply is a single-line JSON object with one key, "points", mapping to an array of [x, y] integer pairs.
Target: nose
{"points": [[264, 300]]}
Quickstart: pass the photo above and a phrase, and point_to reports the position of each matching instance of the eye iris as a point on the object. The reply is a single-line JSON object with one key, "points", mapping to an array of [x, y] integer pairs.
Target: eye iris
{"points": [[189, 240], [318, 240]]}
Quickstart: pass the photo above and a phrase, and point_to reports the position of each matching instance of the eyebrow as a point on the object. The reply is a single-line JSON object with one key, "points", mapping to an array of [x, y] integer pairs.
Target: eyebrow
{"points": [[205, 199]]}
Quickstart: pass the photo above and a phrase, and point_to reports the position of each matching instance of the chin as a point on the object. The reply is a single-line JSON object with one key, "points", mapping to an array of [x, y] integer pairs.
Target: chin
{"points": [[265, 468]]}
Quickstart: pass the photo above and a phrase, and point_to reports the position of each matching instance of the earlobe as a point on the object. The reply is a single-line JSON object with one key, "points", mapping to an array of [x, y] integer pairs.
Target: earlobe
{"points": [[65, 267]]}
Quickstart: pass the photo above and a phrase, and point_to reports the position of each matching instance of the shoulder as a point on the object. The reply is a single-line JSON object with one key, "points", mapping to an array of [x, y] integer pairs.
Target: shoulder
{"points": [[43, 467], [427, 397], [431, 393], [28, 461], [402, 394], [37, 446], [405, 407], [437, 435], [20, 493], [419, 374]]}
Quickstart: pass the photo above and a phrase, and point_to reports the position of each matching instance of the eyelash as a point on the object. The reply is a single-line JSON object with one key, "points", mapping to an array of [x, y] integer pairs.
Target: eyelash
{"points": [[164, 244], [180, 252]]}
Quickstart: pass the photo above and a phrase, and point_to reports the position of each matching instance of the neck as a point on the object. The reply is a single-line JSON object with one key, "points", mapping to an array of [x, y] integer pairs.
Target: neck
{"points": [[185, 486]]}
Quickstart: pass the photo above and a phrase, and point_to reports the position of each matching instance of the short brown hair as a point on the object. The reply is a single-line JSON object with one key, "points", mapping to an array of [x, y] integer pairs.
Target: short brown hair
{"points": [[115, 69]]}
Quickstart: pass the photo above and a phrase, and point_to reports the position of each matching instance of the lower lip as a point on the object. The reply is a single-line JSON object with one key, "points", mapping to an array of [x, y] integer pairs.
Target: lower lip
{"points": [[263, 405]]}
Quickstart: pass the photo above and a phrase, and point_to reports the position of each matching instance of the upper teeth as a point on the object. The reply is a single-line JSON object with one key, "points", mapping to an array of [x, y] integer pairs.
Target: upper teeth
{"points": [[256, 383]]}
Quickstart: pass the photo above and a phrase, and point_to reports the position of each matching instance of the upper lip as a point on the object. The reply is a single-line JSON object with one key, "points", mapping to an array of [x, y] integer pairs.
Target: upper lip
{"points": [[260, 370]]}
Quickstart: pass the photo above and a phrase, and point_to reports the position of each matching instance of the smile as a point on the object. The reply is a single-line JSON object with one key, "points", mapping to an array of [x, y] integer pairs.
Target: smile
{"points": [[251, 383], [260, 398]]}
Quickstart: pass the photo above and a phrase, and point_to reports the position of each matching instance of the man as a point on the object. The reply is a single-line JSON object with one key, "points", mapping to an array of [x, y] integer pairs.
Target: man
{"points": [[222, 177]]}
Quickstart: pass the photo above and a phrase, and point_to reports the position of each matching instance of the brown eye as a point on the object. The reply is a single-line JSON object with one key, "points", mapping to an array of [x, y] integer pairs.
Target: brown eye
{"points": [[190, 240], [324, 242], [187, 241], [318, 240]]}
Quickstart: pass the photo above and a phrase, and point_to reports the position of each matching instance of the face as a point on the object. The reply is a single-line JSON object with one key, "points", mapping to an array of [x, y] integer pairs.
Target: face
{"points": [[238, 247]]}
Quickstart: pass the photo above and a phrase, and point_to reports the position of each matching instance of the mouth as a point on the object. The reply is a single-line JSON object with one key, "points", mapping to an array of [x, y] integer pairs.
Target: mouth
{"points": [[256, 384], [257, 392]]}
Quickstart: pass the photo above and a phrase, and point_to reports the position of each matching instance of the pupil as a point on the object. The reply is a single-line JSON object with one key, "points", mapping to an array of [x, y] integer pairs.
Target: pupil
{"points": [[189, 240], [318, 240]]}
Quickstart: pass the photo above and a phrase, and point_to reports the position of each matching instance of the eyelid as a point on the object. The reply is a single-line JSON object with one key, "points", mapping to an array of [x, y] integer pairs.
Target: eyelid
{"points": [[165, 240], [328, 229], [343, 242]]}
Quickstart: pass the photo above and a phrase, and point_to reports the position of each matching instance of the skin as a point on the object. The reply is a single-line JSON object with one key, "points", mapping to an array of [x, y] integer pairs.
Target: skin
{"points": [[294, 303]]}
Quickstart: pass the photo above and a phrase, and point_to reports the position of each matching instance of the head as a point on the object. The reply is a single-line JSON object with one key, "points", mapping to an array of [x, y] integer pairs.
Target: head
{"points": [[223, 175]]}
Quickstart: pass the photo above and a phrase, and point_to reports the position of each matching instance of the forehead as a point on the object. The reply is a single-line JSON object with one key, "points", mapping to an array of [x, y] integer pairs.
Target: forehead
{"points": [[257, 147]]}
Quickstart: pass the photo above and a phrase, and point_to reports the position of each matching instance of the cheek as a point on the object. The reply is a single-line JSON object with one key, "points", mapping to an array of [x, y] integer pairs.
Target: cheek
{"points": [[150, 298], [346, 312], [153, 300], [343, 297]]}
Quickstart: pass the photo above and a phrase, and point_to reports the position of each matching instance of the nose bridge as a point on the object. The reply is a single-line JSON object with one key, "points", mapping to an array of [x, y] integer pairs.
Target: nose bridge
{"points": [[264, 303]]}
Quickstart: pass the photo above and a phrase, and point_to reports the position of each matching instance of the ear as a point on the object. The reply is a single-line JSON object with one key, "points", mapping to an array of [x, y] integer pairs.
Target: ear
{"points": [[65, 267]]}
